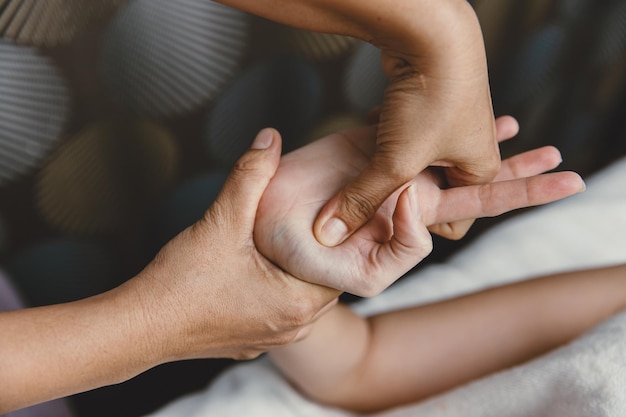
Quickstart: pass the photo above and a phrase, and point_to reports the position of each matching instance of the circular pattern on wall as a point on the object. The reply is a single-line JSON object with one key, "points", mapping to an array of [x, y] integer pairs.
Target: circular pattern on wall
{"points": [[164, 58], [611, 39], [572, 10], [181, 208], [62, 270], [316, 46], [365, 80], [52, 22], [334, 124], [104, 178], [4, 234], [284, 93], [533, 68], [33, 109]]}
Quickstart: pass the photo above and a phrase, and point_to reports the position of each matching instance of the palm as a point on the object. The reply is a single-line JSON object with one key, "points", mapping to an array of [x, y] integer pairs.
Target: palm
{"points": [[365, 264]]}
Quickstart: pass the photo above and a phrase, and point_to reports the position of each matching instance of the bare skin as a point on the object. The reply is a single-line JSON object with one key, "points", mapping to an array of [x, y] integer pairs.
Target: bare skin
{"points": [[436, 111], [396, 238], [401, 357], [209, 293]]}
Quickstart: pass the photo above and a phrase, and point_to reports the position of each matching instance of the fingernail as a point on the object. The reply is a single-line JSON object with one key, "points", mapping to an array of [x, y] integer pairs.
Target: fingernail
{"points": [[263, 140], [333, 232]]}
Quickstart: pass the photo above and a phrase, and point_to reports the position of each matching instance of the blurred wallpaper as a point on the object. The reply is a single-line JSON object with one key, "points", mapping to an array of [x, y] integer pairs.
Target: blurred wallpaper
{"points": [[119, 121]]}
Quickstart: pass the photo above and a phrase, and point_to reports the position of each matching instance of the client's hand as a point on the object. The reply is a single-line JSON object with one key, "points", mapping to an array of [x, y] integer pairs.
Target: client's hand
{"points": [[396, 238]]}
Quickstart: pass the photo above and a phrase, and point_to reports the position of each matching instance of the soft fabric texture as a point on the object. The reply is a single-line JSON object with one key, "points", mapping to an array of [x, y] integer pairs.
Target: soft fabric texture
{"points": [[586, 378]]}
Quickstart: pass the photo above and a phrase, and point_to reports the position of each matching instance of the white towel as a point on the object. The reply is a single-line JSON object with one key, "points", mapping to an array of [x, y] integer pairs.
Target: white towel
{"points": [[586, 378]]}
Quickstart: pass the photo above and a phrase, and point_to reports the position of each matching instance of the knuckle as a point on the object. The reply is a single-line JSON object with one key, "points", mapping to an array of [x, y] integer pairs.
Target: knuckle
{"points": [[487, 200], [489, 166], [425, 247], [359, 204], [245, 166], [493, 166]]}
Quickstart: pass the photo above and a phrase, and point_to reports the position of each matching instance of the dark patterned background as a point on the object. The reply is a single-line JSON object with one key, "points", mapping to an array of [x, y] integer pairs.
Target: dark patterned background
{"points": [[119, 122]]}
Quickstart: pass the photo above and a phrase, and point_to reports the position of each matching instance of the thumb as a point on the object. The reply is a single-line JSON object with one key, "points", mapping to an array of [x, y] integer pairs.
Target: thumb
{"points": [[358, 201], [411, 242], [239, 198]]}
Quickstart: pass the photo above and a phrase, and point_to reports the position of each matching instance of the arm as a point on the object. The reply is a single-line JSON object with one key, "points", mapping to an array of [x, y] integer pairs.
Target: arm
{"points": [[436, 111], [208, 293], [395, 239], [368, 364]]}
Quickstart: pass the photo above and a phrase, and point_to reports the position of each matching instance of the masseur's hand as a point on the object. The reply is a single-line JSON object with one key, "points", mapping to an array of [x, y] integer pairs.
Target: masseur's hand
{"points": [[208, 294], [436, 111], [395, 239], [437, 108], [213, 292]]}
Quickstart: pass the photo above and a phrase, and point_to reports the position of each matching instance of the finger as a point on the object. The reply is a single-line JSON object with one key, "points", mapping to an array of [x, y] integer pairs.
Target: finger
{"points": [[527, 164], [479, 165], [452, 230], [239, 199], [489, 200], [410, 237], [524, 165], [410, 244], [507, 127], [359, 200]]}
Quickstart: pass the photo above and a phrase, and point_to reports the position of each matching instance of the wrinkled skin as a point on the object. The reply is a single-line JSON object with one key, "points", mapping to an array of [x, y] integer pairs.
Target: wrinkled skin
{"points": [[436, 110], [396, 238]]}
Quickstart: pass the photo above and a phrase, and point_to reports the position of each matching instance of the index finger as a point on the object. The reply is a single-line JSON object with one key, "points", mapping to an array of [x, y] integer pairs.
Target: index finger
{"points": [[490, 200]]}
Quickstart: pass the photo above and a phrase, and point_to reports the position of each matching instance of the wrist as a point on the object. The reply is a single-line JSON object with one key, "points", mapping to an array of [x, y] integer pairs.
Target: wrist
{"points": [[145, 326], [439, 39], [147, 320]]}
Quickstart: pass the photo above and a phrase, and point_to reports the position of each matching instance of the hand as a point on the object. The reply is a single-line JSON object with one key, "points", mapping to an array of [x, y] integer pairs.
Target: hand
{"points": [[506, 128], [395, 239], [214, 294], [207, 294], [436, 111]]}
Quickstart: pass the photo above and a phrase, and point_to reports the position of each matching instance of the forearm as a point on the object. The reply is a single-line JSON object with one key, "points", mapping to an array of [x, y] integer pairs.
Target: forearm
{"points": [[450, 343], [323, 363], [431, 32], [408, 355], [55, 351]]}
